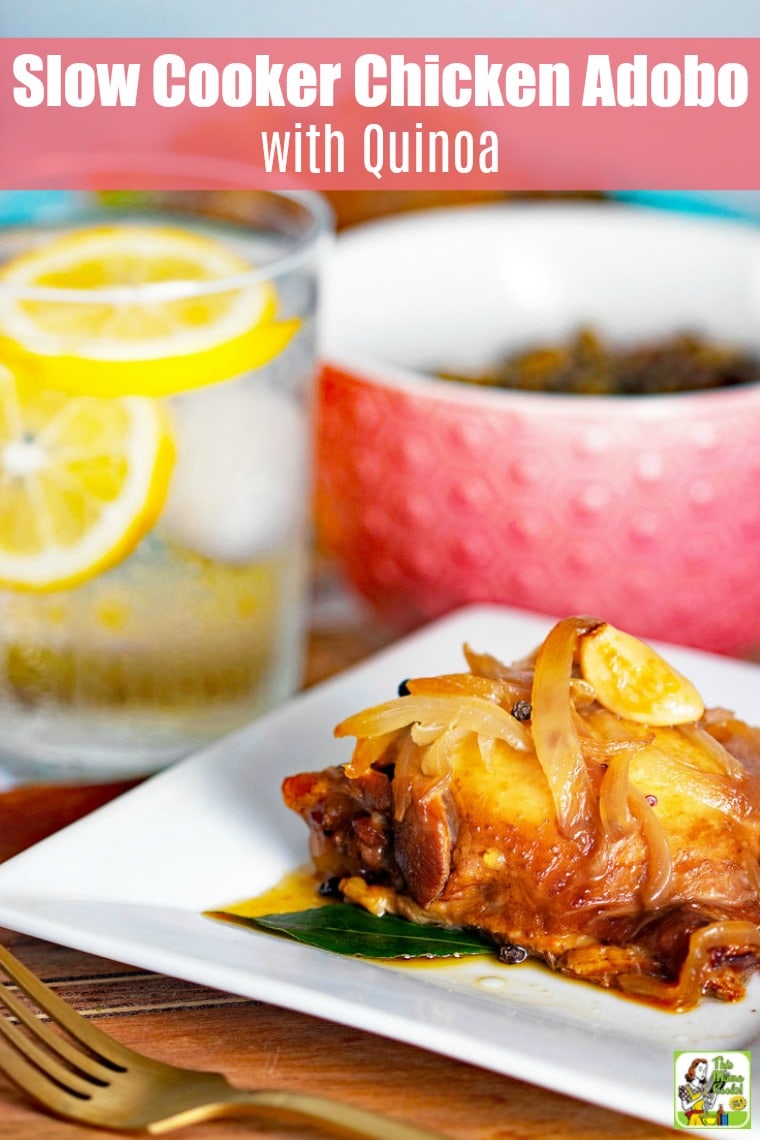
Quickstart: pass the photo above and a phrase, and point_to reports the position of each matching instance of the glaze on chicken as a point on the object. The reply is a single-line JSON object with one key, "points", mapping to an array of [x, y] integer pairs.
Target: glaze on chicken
{"points": [[581, 805]]}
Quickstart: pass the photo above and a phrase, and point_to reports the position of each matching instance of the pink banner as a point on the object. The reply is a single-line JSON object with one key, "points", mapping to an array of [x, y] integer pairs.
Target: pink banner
{"points": [[380, 114]]}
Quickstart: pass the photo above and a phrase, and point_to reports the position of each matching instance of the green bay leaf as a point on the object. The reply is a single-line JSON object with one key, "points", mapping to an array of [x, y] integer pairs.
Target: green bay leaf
{"points": [[346, 929]]}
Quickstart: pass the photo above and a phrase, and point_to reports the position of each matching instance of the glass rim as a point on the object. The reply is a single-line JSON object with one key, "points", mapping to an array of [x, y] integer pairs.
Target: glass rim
{"points": [[320, 224]]}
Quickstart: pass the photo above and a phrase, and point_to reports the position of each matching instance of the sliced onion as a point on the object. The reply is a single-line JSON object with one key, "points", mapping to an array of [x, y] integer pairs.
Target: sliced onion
{"points": [[424, 734], [698, 735], [617, 818], [487, 747], [435, 760], [685, 993], [471, 713], [485, 665], [407, 768], [709, 788], [659, 858], [582, 691], [503, 693], [602, 750], [719, 716], [556, 738], [422, 772], [369, 751], [612, 728]]}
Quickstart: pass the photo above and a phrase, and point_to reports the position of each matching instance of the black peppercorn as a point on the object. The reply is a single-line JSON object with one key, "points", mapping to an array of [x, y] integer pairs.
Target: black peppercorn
{"points": [[512, 955], [522, 710]]}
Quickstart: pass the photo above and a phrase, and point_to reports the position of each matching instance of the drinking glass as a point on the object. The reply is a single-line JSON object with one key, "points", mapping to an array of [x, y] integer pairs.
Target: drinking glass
{"points": [[156, 356]]}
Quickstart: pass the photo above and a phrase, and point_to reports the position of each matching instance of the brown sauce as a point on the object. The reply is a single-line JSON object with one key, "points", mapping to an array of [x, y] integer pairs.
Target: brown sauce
{"points": [[297, 890]]}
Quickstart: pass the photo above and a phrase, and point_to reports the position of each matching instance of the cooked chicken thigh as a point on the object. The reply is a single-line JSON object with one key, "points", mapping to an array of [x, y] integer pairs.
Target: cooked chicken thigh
{"points": [[580, 805]]}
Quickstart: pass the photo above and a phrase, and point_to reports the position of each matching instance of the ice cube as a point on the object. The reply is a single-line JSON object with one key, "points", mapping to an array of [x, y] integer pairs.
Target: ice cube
{"points": [[239, 484]]}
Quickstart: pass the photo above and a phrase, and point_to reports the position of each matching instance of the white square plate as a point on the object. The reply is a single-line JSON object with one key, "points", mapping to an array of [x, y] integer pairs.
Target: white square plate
{"points": [[131, 881]]}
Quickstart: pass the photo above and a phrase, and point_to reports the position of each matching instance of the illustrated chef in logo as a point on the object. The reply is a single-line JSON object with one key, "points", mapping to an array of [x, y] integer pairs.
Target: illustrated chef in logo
{"points": [[696, 1095]]}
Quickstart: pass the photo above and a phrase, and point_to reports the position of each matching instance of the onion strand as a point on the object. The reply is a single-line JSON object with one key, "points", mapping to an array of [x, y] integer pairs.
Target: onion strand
{"points": [[684, 994], [556, 738]]}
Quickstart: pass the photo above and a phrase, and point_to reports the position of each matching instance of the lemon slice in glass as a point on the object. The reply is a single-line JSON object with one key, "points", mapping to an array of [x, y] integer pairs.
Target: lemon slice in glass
{"points": [[136, 309], [82, 480]]}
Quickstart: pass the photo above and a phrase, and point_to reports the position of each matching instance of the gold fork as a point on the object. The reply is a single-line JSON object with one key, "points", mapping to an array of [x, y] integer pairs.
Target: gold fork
{"points": [[90, 1078]]}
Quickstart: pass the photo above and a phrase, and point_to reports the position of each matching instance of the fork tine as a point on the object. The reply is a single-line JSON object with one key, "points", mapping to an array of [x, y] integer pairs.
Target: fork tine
{"points": [[40, 1066], [112, 1054], [30, 1081], [58, 1046]]}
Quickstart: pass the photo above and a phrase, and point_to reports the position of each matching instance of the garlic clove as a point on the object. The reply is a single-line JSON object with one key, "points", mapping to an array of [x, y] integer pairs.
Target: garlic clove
{"points": [[633, 681]]}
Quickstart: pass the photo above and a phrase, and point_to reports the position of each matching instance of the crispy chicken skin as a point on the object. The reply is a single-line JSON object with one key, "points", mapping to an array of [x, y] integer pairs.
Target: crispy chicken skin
{"points": [[632, 864]]}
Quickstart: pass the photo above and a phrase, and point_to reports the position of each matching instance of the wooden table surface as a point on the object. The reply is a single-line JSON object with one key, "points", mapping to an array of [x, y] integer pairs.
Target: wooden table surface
{"points": [[256, 1044]]}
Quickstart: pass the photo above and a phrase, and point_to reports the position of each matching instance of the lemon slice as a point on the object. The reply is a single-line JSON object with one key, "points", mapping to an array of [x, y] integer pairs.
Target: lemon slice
{"points": [[635, 682], [164, 316], [82, 480]]}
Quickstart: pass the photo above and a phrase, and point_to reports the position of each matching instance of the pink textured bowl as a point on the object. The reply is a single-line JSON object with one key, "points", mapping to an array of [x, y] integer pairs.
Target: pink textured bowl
{"points": [[644, 510]]}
